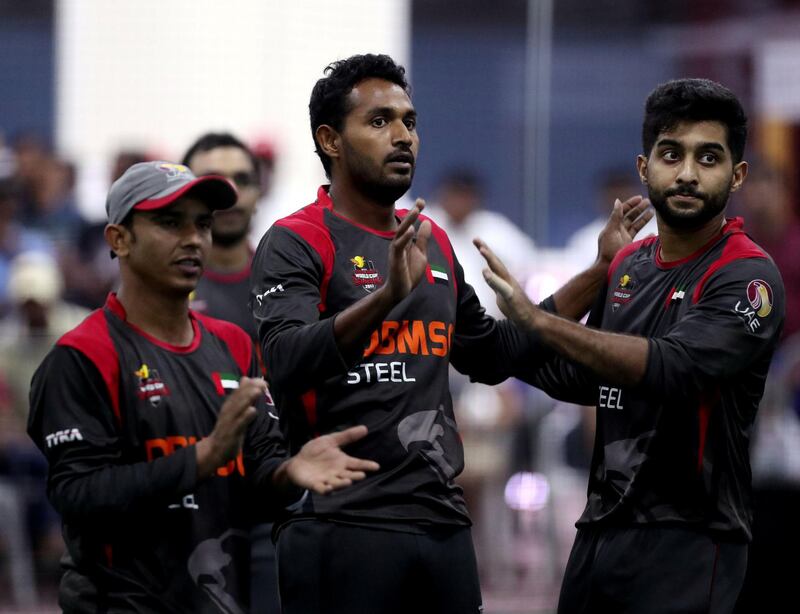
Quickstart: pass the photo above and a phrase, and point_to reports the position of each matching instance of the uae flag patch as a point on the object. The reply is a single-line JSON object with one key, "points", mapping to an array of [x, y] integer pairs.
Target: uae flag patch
{"points": [[437, 275], [224, 382]]}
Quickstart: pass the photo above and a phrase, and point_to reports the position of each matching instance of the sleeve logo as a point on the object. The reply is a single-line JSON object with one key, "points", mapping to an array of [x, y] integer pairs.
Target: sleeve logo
{"points": [[63, 436], [759, 294]]}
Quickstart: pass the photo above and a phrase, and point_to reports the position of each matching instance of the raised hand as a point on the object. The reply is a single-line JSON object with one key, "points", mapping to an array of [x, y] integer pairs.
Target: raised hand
{"points": [[322, 465], [408, 254], [626, 219], [511, 298], [225, 441]]}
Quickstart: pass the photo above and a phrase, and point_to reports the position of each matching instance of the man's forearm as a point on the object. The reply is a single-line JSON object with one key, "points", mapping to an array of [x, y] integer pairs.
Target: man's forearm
{"points": [[574, 299], [619, 359], [353, 326]]}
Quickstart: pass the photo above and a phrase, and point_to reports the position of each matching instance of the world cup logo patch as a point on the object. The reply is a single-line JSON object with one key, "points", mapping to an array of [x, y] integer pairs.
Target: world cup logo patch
{"points": [[759, 294], [365, 274], [150, 385]]}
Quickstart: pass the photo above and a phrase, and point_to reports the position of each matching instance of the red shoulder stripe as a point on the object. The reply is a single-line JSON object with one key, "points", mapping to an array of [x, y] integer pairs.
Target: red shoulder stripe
{"points": [[625, 252], [239, 342], [309, 224], [738, 247], [93, 339]]}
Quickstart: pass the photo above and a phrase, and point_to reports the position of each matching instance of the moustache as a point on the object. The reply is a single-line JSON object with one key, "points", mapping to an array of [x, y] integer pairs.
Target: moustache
{"points": [[400, 156], [685, 191]]}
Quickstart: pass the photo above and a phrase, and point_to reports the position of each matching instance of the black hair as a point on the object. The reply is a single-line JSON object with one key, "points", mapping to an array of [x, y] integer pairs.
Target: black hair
{"points": [[214, 140], [694, 100], [329, 105]]}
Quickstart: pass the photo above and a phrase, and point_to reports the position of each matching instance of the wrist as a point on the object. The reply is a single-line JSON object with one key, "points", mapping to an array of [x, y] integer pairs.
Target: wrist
{"points": [[207, 457], [387, 297], [600, 266]]}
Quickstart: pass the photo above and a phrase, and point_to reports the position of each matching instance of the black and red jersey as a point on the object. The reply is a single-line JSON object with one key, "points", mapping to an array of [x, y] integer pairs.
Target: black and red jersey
{"points": [[117, 412], [675, 447], [224, 296], [314, 264]]}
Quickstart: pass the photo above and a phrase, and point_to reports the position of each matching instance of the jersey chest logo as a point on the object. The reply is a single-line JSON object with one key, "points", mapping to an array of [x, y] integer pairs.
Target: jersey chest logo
{"points": [[365, 275], [626, 287], [150, 385]]}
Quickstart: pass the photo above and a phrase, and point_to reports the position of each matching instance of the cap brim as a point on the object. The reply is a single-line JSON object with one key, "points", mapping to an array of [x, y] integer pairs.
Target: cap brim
{"points": [[214, 190]]}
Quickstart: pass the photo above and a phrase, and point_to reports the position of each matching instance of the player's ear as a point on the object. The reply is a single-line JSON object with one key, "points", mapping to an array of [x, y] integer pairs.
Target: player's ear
{"points": [[739, 175], [328, 140], [118, 238], [641, 166]]}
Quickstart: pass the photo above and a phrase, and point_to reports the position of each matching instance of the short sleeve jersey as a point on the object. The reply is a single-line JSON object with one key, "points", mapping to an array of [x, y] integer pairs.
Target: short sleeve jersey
{"points": [[675, 447], [116, 412]]}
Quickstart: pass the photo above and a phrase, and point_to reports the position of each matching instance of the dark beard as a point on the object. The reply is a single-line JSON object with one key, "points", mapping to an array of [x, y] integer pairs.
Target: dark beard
{"points": [[369, 179], [229, 239], [386, 192], [713, 205]]}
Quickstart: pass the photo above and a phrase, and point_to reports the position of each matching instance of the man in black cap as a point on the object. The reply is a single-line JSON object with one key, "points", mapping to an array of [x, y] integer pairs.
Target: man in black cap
{"points": [[161, 446]]}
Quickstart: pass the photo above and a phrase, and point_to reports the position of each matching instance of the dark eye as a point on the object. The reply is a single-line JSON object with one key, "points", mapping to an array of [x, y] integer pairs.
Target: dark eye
{"points": [[708, 158], [411, 123], [205, 223], [379, 122], [167, 222], [670, 155], [244, 180]]}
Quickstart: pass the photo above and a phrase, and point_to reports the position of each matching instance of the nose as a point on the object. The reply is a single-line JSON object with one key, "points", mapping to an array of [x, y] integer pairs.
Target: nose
{"points": [[193, 235], [687, 173], [401, 134]]}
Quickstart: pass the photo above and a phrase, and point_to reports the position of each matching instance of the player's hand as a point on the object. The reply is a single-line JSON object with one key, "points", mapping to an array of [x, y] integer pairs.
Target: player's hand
{"points": [[408, 254], [511, 298], [626, 219], [322, 465], [225, 441]]}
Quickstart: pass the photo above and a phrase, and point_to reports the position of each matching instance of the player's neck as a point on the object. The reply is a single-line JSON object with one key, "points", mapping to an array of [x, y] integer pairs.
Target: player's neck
{"points": [[230, 258], [165, 317], [353, 204], [679, 243]]}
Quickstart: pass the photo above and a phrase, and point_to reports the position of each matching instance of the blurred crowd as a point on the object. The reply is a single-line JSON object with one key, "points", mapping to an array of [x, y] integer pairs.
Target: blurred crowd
{"points": [[527, 457]]}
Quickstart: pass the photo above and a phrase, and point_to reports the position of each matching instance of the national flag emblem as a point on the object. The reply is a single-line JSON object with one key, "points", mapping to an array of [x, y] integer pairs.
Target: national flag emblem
{"points": [[437, 274], [224, 381]]}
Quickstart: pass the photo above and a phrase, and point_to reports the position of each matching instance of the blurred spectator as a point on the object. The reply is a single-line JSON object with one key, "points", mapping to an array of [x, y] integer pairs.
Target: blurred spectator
{"points": [[89, 272], [771, 216], [14, 238], [611, 184], [46, 187], [38, 318], [459, 210], [124, 160], [7, 162], [487, 415], [224, 290]]}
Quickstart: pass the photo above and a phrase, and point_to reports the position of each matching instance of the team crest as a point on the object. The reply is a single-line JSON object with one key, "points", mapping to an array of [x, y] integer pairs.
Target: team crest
{"points": [[623, 292], [365, 275], [759, 294], [150, 385], [174, 171]]}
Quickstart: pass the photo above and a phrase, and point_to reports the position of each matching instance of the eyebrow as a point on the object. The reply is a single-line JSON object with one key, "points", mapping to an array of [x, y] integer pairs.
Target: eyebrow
{"points": [[390, 111], [713, 145]]}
